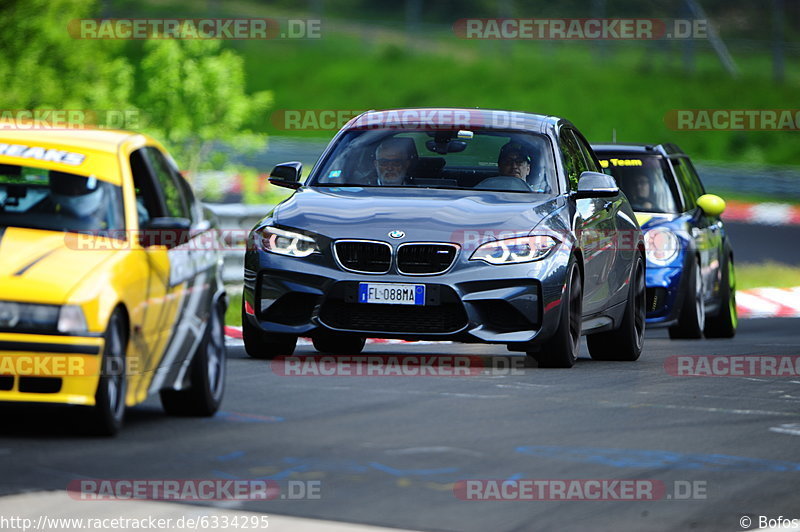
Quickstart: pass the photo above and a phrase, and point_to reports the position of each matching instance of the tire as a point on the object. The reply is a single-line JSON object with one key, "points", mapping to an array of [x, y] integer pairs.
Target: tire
{"points": [[693, 311], [626, 342], [724, 324], [204, 395], [265, 346], [109, 411], [562, 349], [339, 344]]}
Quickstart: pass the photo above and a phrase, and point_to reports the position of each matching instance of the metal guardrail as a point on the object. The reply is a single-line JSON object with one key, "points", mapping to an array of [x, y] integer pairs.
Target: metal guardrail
{"points": [[234, 217], [764, 181]]}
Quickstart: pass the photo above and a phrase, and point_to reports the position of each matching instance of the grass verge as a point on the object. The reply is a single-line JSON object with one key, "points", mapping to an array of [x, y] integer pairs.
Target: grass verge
{"points": [[766, 274]]}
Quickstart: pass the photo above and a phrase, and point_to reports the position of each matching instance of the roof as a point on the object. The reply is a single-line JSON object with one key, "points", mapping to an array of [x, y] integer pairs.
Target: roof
{"points": [[79, 151], [452, 118]]}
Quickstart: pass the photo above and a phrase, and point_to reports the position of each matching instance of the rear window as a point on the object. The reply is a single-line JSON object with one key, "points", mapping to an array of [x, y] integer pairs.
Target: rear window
{"points": [[645, 180]]}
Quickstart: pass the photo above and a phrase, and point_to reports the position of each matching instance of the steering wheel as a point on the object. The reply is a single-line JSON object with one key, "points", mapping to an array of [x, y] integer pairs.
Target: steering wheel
{"points": [[504, 182]]}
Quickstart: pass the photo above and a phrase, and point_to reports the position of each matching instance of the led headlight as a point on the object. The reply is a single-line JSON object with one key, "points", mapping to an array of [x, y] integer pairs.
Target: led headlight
{"points": [[287, 243], [515, 250], [661, 246]]}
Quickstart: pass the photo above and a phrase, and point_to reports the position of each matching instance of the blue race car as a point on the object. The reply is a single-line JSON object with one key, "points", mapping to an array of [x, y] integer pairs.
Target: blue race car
{"points": [[691, 284]]}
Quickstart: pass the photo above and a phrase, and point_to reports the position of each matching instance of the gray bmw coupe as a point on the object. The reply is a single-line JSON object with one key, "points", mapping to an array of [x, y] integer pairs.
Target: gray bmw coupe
{"points": [[449, 224]]}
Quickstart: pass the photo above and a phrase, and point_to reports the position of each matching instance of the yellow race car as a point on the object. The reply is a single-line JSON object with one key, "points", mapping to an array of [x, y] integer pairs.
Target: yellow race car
{"points": [[110, 277]]}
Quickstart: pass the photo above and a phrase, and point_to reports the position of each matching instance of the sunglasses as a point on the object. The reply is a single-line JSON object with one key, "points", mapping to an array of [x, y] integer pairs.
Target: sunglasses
{"points": [[394, 163]]}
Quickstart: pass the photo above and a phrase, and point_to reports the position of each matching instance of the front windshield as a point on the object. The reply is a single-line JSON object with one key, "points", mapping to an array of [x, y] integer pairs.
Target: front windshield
{"points": [[643, 180], [458, 159], [38, 198]]}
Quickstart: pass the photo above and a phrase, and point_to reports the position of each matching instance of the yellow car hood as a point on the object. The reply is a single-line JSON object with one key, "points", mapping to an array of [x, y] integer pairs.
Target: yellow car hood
{"points": [[41, 266]]}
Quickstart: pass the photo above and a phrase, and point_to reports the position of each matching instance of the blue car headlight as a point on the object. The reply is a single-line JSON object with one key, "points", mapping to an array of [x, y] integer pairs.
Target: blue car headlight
{"points": [[661, 246], [515, 250], [289, 243]]}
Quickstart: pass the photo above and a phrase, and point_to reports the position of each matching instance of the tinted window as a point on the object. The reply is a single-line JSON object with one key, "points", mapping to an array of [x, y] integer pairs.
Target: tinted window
{"points": [[588, 155], [174, 201], [574, 163], [645, 180], [690, 185]]}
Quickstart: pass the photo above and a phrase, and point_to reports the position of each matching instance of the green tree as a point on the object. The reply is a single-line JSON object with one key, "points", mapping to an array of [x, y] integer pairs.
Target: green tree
{"points": [[193, 96], [42, 66]]}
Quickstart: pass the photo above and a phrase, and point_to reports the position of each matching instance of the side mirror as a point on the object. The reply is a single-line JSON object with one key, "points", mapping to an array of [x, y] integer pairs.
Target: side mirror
{"points": [[596, 185], [711, 204], [287, 175], [169, 232]]}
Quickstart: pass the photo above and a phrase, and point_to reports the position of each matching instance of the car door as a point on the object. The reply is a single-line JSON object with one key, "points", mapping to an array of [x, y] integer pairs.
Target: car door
{"points": [[618, 231], [592, 219], [704, 229], [156, 311], [191, 260]]}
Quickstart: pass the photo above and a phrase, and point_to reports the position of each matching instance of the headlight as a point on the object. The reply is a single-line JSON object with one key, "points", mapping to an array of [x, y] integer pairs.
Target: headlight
{"points": [[71, 320], [28, 317], [661, 246], [515, 250], [287, 243]]}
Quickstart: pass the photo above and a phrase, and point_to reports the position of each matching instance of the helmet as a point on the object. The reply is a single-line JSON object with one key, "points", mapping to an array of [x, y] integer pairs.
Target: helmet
{"points": [[78, 196]]}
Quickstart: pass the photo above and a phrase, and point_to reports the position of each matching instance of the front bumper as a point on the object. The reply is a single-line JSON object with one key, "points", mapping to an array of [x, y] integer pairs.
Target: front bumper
{"points": [[664, 295], [47, 368], [472, 302]]}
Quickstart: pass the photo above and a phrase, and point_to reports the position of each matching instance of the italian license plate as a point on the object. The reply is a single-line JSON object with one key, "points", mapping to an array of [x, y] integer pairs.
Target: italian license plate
{"points": [[396, 294]]}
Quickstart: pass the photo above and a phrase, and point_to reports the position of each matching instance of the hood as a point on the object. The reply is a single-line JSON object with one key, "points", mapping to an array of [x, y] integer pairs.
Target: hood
{"points": [[422, 214], [648, 220], [39, 266]]}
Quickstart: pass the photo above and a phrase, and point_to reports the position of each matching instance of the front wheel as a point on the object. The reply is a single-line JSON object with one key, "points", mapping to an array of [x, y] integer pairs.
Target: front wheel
{"points": [[204, 395], [626, 342], [724, 324], [692, 317], [109, 410], [562, 349], [262, 345]]}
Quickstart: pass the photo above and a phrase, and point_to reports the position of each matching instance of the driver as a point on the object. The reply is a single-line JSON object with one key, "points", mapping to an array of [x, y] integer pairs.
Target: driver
{"points": [[514, 161], [640, 193], [392, 160], [76, 196]]}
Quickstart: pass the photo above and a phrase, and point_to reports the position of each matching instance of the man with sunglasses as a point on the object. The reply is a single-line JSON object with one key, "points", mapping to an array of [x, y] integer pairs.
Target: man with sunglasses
{"points": [[392, 160], [514, 161]]}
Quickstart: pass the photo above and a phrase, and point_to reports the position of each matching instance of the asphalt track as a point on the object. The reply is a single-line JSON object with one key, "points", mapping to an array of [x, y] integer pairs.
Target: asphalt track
{"points": [[759, 243], [387, 450]]}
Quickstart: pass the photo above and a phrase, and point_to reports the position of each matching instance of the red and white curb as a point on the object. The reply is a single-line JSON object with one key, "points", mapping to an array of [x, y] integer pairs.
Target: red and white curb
{"points": [[762, 213], [236, 333], [769, 303], [755, 303]]}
